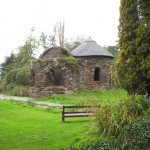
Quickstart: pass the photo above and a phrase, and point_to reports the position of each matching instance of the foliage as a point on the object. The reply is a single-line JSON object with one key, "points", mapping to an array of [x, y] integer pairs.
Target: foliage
{"points": [[111, 119], [71, 61], [15, 69], [18, 76], [22, 77], [26, 52], [114, 50], [74, 43], [132, 66], [8, 64], [137, 136], [11, 76], [19, 91], [99, 145]]}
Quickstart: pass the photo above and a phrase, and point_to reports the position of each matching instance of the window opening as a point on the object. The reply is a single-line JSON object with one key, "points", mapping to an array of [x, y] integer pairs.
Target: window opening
{"points": [[96, 74]]}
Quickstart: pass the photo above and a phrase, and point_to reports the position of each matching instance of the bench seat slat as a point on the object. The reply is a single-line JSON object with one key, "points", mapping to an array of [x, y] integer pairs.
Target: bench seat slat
{"points": [[78, 114]]}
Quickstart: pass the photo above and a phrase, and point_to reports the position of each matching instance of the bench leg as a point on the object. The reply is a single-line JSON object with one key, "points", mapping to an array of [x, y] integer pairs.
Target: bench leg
{"points": [[63, 118]]}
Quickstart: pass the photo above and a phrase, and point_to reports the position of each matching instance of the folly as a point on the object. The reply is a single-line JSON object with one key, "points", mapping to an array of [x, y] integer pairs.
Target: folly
{"points": [[57, 71]]}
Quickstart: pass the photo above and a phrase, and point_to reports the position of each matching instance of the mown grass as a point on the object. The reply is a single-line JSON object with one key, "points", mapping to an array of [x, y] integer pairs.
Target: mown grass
{"points": [[24, 127], [87, 97]]}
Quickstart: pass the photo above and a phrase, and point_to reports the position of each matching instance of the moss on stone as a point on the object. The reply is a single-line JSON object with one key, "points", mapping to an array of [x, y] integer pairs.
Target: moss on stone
{"points": [[71, 61]]}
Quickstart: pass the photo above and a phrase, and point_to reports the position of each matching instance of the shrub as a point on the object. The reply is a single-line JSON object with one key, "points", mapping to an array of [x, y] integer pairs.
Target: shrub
{"points": [[137, 135], [2, 85], [22, 76], [111, 119], [99, 145], [20, 91]]}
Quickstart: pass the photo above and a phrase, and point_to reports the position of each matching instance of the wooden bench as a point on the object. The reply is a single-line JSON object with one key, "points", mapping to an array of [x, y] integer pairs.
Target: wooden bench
{"points": [[78, 111]]}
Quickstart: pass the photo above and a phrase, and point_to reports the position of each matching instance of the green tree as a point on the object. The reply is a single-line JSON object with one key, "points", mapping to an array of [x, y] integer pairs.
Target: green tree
{"points": [[15, 69], [74, 43], [8, 64], [114, 50], [143, 42], [26, 52], [132, 65]]}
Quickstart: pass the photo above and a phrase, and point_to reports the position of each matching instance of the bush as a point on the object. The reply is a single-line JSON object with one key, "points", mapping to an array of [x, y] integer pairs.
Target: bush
{"points": [[11, 76], [2, 85], [112, 119], [20, 91], [137, 135], [99, 145], [22, 76]]}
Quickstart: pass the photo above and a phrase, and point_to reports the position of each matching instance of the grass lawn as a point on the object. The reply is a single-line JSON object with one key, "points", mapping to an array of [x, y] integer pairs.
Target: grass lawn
{"points": [[24, 127], [87, 97]]}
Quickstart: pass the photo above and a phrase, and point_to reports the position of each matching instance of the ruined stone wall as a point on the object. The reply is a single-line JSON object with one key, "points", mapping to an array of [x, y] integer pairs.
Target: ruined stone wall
{"points": [[54, 52], [63, 75], [54, 76]]}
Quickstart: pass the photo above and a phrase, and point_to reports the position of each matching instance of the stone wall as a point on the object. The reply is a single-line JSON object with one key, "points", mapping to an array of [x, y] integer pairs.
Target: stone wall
{"points": [[87, 69], [54, 76], [54, 52], [63, 75]]}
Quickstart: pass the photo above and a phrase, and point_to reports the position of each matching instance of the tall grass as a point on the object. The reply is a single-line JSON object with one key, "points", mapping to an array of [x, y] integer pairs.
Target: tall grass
{"points": [[111, 119]]}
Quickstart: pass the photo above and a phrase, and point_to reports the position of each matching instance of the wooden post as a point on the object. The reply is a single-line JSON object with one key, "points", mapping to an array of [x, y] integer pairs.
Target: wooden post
{"points": [[63, 119]]}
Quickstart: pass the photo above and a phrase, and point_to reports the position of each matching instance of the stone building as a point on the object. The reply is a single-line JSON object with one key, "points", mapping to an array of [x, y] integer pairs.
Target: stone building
{"points": [[57, 71]]}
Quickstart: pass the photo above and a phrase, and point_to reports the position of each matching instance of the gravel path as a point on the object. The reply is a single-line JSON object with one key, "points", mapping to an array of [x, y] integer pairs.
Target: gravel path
{"points": [[29, 100]]}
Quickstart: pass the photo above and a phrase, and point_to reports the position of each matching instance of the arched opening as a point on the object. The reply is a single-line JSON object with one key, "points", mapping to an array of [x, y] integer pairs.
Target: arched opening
{"points": [[58, 77], [97, 74]]}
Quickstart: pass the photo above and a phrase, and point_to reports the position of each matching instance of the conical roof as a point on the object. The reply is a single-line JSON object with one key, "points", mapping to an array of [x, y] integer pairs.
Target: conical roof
{"points": [[90, 48]]}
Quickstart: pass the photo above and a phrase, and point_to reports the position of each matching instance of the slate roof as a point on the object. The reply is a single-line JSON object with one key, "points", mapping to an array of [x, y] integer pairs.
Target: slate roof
{"points": [[90, 48]]}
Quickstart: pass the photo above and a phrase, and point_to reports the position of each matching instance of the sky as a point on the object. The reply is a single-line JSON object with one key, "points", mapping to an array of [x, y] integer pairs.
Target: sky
{"points": [[97, 19]]}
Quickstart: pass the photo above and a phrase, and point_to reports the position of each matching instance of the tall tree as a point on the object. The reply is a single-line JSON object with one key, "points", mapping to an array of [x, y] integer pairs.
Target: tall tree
{"points": [[132, 65], [126, 64], [143, 42]]}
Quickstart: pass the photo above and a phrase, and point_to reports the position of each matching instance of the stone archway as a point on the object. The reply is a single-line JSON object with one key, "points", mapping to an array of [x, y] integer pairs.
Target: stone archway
{"points": [[58, 77]]}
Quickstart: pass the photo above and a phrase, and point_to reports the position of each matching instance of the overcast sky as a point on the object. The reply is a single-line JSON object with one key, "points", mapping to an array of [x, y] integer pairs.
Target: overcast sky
{"points": [[96, 18]]}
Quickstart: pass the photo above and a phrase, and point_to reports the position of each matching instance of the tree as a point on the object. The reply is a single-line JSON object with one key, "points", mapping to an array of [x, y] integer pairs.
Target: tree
{"points": [[55, 38], [114, 50], [74, 43], [61, 33], [26, 52], [15, 69], [8, 64], [48, 40], [143, 42], [132, 64]]}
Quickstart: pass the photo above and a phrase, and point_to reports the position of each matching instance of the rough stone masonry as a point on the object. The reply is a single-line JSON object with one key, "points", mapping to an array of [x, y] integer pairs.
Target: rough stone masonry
{"points": [[58, 72]]}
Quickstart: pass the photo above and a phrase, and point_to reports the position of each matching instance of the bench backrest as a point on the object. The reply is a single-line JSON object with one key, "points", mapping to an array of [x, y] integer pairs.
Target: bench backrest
{"points": [[74, 111]]}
